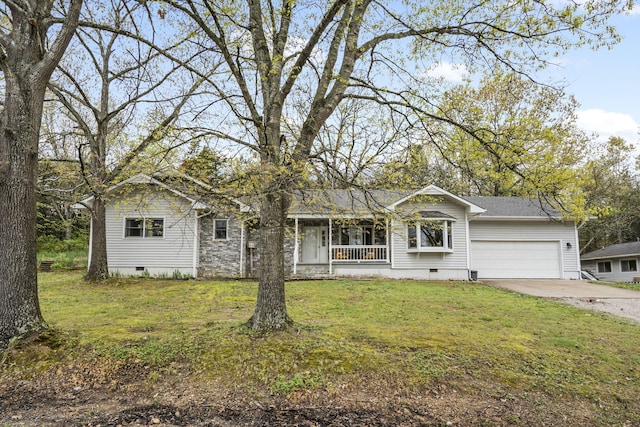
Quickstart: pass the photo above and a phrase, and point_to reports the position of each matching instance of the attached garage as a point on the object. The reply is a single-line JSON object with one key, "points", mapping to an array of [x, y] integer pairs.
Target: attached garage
{"points": [[516, 259]]}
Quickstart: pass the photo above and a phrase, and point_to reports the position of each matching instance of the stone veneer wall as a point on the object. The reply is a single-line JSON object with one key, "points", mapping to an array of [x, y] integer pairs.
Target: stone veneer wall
{"points": [[219, 258], [253, 234]]}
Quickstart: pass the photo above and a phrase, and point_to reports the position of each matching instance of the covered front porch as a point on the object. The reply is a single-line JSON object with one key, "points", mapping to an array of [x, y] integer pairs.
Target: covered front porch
{"points": [[322, 244]]}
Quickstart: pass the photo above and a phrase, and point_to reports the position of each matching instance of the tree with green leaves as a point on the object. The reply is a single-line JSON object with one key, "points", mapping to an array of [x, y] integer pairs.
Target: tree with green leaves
{"points": [[207, 166], [59, 187], [33, 39], [114, 84], [612, 190], [519, 139], [297, 61]]}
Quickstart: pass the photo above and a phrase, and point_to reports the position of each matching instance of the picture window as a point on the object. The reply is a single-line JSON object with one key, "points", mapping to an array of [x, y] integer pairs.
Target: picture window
{"points": [[144, 227], [430, 235]]}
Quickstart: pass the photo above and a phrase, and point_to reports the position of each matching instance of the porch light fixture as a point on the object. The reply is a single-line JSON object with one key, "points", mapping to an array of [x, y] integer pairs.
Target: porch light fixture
{"points": [[569, 246]]}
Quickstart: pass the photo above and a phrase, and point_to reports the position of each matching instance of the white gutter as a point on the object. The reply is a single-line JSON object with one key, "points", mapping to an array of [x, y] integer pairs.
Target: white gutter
{"points": [[295, 249], [466, 226], [242, 249], [196, 243]]}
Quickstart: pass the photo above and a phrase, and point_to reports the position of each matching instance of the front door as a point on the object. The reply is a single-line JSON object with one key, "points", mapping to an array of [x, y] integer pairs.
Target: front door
{"points": [[315, 245]]}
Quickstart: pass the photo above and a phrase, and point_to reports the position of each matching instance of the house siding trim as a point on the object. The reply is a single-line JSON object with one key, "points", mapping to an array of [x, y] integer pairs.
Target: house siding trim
{"points": [[196, 243], [158, 256]]}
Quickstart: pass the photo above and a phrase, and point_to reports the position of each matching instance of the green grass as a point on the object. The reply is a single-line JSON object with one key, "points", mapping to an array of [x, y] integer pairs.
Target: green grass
{"points": [[624, 285], [65, 260], [408, 333]]}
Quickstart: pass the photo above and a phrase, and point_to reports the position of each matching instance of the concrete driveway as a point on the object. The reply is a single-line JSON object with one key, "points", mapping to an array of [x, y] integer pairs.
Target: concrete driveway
{"points": [[618, 301], [561, 288]]}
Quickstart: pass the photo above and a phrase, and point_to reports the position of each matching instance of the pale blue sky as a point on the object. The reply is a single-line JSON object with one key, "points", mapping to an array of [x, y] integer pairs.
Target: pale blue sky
{"points": [[607, 83]]}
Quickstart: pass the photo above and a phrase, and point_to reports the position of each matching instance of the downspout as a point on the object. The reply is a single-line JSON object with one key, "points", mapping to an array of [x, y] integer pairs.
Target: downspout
{"points": [[196, 243], [295, 248], [468, 239], [242, 249]]}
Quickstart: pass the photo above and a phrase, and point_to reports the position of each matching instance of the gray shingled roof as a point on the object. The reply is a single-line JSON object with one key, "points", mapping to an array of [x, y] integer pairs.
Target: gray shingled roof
{"points": [[619, 250], [434, 215], [513, 207], [361, 201], [351, 201]]}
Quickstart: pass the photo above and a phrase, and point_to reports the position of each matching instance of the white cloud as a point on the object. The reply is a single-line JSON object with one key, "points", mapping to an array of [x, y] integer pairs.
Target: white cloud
{"points": [[608, 124], [454, 73], [635, 10]]}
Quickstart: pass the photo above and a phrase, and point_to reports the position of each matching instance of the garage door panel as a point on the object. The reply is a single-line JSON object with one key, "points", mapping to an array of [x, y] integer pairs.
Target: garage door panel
{"points": [[516, 259]]}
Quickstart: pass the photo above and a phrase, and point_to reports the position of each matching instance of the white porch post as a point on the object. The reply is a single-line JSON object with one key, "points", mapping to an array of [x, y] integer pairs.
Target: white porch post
{"points": [[386, 220], [295, 248], [330, 246]]}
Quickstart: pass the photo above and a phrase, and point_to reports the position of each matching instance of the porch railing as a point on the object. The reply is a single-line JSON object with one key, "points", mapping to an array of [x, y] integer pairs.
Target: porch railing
{"points": [[358, 253]]}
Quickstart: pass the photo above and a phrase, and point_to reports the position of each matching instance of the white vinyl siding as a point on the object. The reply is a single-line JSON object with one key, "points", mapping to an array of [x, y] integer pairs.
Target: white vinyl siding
{"points": [[157, 255], [543, 242], [405, 258], [612, 268]]}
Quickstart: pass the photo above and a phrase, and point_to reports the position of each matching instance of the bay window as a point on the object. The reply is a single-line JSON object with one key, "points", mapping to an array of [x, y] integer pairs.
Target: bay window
{"points": [[430, 236]]}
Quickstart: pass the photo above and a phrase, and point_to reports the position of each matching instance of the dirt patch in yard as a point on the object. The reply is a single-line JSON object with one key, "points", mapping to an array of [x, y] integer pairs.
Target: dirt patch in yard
{"points": [[122, 394]]}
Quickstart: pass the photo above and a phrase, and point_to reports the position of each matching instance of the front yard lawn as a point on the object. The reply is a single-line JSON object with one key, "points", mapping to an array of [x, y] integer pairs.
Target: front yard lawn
{"points": [[372, 342]]}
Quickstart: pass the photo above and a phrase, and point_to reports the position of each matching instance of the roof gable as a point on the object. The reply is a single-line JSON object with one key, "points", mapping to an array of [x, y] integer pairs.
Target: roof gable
{"points": [[432, 190], [196, 194]]}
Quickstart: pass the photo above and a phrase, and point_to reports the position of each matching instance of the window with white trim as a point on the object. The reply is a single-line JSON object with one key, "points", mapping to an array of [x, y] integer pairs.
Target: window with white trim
{"points": [[604, 267], [360, 235], [430, 236], [220, 229], [627, 265], [144, 227]]}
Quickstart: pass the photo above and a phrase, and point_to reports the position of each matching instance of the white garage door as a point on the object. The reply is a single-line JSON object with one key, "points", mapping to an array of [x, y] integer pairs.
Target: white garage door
{"points": [[513, 260]]}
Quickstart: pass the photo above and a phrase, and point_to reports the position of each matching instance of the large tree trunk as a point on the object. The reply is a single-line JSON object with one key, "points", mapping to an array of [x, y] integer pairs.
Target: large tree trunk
{"points": [[19, 128], [271, 307], [27, 61], [98, 269]]}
